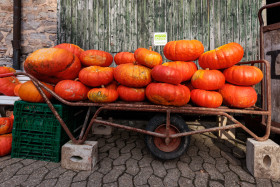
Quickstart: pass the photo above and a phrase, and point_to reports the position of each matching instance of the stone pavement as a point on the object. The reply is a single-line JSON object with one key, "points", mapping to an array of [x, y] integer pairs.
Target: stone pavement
{"points": [[125, 161]]}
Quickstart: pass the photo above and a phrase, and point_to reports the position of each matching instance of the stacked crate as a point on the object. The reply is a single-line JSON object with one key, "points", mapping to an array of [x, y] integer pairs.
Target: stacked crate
{"points": [[37, 134]]}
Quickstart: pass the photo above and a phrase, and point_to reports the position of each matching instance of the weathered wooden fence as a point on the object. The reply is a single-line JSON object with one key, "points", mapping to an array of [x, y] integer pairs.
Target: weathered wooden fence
{"points": [[125, 25]]}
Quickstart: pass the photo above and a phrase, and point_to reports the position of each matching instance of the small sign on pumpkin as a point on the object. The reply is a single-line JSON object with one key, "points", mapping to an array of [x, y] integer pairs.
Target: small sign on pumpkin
{"points": [[160, 38]]}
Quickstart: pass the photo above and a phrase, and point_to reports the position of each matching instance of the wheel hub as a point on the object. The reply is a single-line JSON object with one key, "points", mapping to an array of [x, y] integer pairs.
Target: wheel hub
{"points": [[160, 143]]}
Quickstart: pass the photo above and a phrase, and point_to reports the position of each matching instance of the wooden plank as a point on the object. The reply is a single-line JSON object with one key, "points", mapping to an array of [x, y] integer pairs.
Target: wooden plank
{"points": [[113, 26], [205, 36], [68, 21]]}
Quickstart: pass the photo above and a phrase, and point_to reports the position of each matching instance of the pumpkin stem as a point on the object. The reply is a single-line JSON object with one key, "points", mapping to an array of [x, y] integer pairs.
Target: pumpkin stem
{"points": [[102, 86], [76, 79], [150, 48], [207, 69]]}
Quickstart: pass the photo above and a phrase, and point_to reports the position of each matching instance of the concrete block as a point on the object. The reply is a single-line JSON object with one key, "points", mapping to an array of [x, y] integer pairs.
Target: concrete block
{"points": [[79, 157], [225, 134], [262, 158], [101, 129]]}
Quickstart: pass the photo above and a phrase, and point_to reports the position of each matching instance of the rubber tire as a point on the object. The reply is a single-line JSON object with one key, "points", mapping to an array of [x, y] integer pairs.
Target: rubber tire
{"points": [[176, 121]]}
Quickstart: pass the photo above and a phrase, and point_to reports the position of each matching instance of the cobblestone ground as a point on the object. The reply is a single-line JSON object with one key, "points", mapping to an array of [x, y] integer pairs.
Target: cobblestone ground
{"points": [[125, 161]]}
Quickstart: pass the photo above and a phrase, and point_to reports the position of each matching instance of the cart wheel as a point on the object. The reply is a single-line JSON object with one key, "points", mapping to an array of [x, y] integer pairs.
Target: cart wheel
{"points": [[158, 147]]}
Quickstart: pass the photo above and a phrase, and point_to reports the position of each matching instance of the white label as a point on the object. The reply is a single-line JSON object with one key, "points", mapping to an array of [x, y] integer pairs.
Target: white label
{"points": [[160, 38]]}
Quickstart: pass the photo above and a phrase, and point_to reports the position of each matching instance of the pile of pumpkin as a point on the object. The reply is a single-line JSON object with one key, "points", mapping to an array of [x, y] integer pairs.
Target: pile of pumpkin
{"points": [[75, 75], [6, 127]]}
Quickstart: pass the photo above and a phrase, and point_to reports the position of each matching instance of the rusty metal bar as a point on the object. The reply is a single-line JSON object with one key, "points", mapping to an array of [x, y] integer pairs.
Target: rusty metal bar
{"points": [[167, 139], [84, 124]]}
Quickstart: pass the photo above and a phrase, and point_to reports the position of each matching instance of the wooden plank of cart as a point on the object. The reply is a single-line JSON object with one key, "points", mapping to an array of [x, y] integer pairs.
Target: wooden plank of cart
{"points": [[167, 135]]}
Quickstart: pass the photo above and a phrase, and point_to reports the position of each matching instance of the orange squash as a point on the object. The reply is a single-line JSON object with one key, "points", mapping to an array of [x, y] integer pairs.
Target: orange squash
{"points": [[183, 50], [96, 58], [52, 65], [243, 75], [222, 57], [8, 84], [102, 95], [204, 98], [5, 144], [136, 76], [131, 94], [238, 96], [147, 57], [6, 125], [76, 50], [168, 94], [95, 76], [28, 92], [187, 69], [208, 79], [124, 58]]}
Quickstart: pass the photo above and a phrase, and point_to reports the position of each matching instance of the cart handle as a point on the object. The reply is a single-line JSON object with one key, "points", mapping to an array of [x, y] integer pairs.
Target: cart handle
{"points": [[272, 5]]}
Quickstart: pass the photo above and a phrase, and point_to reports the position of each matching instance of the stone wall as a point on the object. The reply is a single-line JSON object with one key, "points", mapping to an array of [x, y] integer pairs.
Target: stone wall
{"points": [[38, 29]]}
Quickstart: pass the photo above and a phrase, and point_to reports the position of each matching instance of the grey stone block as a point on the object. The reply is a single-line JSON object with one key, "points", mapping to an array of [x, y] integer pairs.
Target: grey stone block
{"points": [[262, 158], [79, 157]]}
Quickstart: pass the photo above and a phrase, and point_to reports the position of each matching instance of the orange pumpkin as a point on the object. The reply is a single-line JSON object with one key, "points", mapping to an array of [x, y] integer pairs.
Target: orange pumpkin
{"points": [[222, 57], [71, 90], [243, 75], [6, 125], [131, 94], [166, 74], [112, 85], [95, 76], [28, 92], [76, 50], [168, 94], [102, 95], [16, 88], [52, 65], [147, 57], [8, 84], [5, 144], [238, 96], [204, 98], [183, 50], [4, 69], [96, 58], [187, 69], [131, 75], [124, 58], [208, 79]]}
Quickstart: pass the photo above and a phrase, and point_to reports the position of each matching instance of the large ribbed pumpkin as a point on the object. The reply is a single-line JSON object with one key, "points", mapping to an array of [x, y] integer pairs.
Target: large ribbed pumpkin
{"points": [[168, 94], [204, 98], [238, 96], [103, 95], [208, 79], [95, 76], [71, 90], [243, 75], [166, 74], [187, 69], [94, 57], [5, 144], [28, 92], [124, 58], [76, 50], [222, 57], [131, 94], [8, 84], [132, 75], [183, 50], [147, 57], [4, 69], [52, 65]]}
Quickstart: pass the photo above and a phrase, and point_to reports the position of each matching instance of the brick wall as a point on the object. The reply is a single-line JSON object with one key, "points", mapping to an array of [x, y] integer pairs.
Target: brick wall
{"points": [[38, 29]]}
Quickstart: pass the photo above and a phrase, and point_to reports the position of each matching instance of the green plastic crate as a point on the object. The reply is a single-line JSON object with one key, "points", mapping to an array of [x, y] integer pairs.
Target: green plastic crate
{"points": [[37, 134]]}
